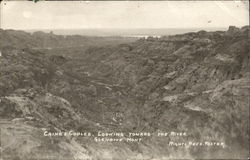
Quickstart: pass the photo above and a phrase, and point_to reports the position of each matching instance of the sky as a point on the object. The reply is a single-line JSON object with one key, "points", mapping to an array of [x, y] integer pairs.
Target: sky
{"points": [[122, 14]]}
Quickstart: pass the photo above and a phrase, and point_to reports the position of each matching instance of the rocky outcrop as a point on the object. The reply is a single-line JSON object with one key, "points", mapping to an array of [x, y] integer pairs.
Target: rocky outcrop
{"points": [[183, 77]]}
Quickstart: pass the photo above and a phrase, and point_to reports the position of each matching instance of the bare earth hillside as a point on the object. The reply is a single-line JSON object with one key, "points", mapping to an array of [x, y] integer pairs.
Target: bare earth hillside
{"points": [[197, 83]]}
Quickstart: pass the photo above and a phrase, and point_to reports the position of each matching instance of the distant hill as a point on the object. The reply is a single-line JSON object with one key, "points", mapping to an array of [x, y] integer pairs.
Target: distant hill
{"points": [[39, 39], [138, 32]]}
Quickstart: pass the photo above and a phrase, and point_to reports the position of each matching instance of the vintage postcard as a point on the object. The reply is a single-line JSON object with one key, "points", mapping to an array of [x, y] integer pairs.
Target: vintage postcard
{"points": [[124, 80]]}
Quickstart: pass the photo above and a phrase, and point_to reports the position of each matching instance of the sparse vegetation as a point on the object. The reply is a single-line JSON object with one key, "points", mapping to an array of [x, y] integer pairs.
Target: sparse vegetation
{"points": [[194, 82]]}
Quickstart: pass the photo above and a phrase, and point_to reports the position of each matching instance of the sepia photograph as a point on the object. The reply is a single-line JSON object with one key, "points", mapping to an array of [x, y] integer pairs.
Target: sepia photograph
{"points": [[124, 80]]}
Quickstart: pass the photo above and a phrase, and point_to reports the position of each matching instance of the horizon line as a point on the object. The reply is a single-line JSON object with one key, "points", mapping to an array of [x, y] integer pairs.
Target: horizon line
{"points": [[107, 28], [116, 28]]}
